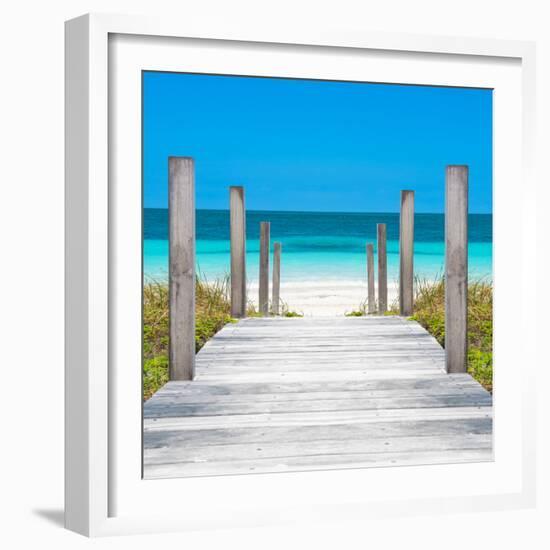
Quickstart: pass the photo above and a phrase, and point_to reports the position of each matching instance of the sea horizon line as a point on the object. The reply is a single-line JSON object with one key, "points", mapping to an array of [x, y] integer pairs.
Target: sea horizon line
{"points": [[319, 211]]}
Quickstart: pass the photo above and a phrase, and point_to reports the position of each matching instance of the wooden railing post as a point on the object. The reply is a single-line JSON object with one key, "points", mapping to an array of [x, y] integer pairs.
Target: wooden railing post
{"points": [[456, 269], [406, 253], [263, 301], [382, 269], [276, 278], [181, 184], [371, 306], [237, 224]]}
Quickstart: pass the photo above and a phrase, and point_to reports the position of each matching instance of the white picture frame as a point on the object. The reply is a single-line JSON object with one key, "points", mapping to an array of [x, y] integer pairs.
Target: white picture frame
{"points": [[104, 493]]}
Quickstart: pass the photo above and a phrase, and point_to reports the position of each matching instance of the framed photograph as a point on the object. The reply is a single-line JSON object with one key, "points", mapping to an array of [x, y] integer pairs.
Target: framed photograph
{"points": [[294, 276]]}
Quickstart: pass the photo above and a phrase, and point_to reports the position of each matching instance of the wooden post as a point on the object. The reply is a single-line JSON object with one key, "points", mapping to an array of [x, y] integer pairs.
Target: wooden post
{"points": [[181, 184], [406, 254], [456, 269], [382, 269], [276, 278], [263, 301], [371, 306], [237, 224]]}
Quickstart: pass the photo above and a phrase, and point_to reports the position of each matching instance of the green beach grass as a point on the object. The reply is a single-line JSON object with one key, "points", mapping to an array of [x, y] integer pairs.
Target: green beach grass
{"points": [[429, 311], [212, 312]]}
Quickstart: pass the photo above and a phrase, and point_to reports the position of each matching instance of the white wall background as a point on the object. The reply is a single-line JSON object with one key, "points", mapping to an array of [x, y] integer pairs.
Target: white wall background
{"points": [[31, 266]]}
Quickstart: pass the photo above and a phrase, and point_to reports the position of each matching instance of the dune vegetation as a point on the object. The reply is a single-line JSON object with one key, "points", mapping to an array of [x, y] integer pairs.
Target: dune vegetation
{"points": [[212, 312], [212, 309], [429, 311]]}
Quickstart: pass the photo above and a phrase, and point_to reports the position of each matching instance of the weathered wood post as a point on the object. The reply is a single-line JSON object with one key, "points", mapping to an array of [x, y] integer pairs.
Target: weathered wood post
{"points": [[275, 300], [237, 225], [181, 212], [263, 298], [456, 269], [382, 269], [371, 306], [406, 253]]}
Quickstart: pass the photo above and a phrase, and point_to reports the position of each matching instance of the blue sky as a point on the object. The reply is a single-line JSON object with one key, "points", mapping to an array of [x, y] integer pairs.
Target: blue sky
{"points": [[315, 145]]}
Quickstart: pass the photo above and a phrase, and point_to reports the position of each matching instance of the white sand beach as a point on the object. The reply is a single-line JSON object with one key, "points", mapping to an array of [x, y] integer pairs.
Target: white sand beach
{"points": [[324, 298]]}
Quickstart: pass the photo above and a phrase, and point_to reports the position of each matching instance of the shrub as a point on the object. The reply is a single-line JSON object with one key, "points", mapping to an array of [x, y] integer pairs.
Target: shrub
{"points": [[212, 312], [429, 311]]}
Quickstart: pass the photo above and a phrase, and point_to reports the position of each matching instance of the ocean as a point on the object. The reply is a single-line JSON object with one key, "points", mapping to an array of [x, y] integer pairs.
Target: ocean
{"points": [[316, 246]]}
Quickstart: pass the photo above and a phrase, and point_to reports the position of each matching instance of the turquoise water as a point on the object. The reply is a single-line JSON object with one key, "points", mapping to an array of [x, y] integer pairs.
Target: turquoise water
{"points": [[317, 245]]}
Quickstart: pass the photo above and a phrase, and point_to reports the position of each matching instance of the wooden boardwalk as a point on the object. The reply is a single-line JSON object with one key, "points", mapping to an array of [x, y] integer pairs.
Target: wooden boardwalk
{"points": [[278, 394]]}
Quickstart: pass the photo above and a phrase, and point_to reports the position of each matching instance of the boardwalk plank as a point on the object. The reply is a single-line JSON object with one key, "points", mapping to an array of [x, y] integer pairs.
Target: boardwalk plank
{"points": [[191, 398], [315, 448], [316, 432], [162, 408], [320, 462], [316, 418], [421, 382]]}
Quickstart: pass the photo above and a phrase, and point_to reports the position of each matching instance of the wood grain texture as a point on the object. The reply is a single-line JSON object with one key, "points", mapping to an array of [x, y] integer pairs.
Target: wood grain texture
{"points": [[263, 292], [181, 189], [371, 299], [382, 269], [237, 225], [456, 269], [291, 394], [406, 254], [276, 296]]}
